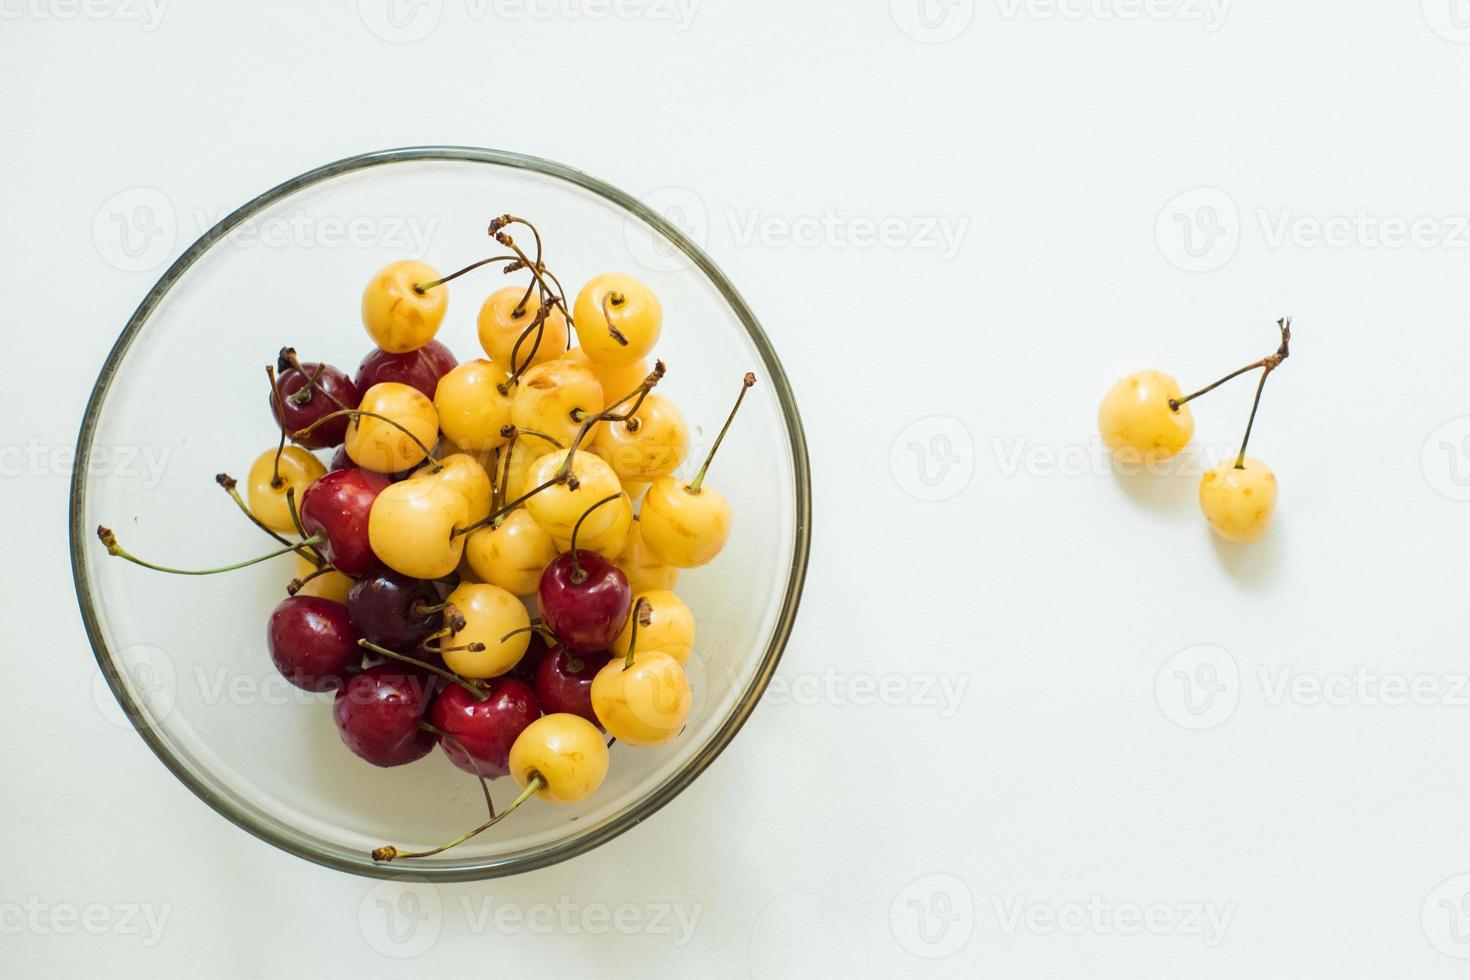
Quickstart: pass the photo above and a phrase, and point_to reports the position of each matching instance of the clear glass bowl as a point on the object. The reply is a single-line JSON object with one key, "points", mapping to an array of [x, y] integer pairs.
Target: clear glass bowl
{"points": [[183, 396]]}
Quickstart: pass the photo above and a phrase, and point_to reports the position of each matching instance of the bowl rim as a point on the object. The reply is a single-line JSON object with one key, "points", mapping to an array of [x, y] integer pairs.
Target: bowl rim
{"points": [[81, 538]]}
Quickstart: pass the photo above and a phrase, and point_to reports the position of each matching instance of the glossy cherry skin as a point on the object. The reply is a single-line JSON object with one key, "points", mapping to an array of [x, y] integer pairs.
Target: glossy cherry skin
{"points": [[585, 615], [312, 642], [486, 729], [420, 368], [378, 714], [314, 405], [564, 682], [382, 606], [337, 505]]}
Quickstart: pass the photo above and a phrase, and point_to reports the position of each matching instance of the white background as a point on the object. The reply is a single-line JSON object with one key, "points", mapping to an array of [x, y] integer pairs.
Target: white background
{"points": [[1136, 737]]}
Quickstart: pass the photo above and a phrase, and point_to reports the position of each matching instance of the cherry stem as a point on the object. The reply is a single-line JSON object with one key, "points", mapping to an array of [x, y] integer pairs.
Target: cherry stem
{"points": [[109, 541], [549, 636], [578, 575], [484, 783], [609, 300], [610, 414], [642, 616], [745, 385], [276, 481], [421, 608], [507, 508], [315, 554], [388, 852], [297, 584], [422, 287], [555, 296], [538, 324], [1270, 363], [518, 430], [229, 484], [288, 356], [450, 676], [356, 414]]}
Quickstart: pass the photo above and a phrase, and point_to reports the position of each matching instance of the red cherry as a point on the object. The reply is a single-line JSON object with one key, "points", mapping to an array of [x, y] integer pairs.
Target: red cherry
{"points": [[420, 368], [387, 608], [525, 668], [312, 642], [584, 599], [378, 714], [486, 729], [304, 404], [337, 505], [564, 682]]}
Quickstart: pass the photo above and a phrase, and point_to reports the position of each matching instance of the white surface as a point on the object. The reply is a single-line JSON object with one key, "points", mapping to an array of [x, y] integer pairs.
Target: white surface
{"points": [[1329, 829]]}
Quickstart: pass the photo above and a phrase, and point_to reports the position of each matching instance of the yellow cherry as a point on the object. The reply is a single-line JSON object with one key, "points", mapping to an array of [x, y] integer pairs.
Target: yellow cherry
{"points": [[608, 543], [558, 507], [298, 470], [412, 523], [652, 443], [490, 612], [515, 469], [1239, 503], [665, 623], [554, 398], [503, 321], [645, 571], [384, 447], [616, 380], [683, 525], [328, 585], [399, 317], [1137, 420], [472, 409], [464, 474], [635, 489], [618, 319], [511, 553], [643, 704], [566, 751]]}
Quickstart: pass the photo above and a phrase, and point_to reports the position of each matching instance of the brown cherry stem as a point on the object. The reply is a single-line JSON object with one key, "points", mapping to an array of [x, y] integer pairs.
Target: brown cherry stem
{"points": [[423, 287], [355, 414], [276, 480], [578, 574], [546, 634], [109, 541], [287, 356], [450, 676], [642, 616], [229, 484], [746, 383], [1270, 363], [388, 852], [297, 584], [609, 300], [314, 554]]}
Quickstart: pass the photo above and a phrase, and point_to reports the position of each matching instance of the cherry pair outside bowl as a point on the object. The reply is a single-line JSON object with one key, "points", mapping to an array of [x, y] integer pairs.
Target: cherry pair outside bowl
{"points": [[185, 389]]}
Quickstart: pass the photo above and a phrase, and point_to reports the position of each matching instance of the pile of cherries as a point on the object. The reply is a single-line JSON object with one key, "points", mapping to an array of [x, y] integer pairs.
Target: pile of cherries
{"points": [[453, 496]]}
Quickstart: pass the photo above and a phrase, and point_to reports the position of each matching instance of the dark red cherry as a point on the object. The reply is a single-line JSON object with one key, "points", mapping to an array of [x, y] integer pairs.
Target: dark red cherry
{"points": [[485, 728], [304, 404], [389, 608], [378, 714], [420, 368], [312, 642], [337, 505], [584, 603], [564, 682], [525, 668]]}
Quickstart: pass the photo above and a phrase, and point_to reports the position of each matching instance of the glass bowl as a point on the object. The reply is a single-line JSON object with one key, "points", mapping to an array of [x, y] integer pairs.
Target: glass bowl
{"points": [[183, 396]]}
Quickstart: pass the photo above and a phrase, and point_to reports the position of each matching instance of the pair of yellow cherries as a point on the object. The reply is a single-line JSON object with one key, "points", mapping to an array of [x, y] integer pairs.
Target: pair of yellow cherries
{"points": [[1146, 418]]}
